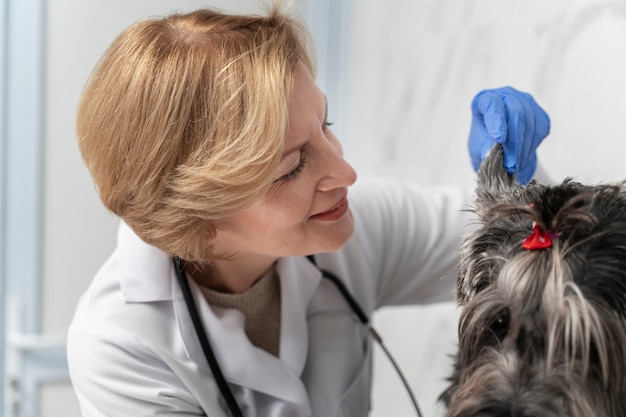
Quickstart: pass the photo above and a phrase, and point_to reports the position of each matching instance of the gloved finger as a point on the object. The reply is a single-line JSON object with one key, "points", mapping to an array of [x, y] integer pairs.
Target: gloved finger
{"points": [[486, 147], [525, 146], [537, 128], [541, 127], [516, 132], [480, 139], [483, 142], [489, 105], [478, 135]]}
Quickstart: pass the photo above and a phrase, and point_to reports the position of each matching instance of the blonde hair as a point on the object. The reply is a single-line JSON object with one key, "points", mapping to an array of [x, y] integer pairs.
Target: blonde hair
{"points": [[182, 122]]}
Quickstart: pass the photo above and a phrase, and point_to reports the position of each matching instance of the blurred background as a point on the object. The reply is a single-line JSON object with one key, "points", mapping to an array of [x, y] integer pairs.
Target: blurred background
{"points": [[399, 76]]}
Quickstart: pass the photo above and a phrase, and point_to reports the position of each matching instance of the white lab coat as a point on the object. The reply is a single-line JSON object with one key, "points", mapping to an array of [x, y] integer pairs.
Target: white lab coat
{"points": [[133, 351]]}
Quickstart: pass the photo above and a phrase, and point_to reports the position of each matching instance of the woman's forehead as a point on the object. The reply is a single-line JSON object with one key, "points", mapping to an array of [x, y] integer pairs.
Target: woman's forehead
{"points": [[307, 105]]}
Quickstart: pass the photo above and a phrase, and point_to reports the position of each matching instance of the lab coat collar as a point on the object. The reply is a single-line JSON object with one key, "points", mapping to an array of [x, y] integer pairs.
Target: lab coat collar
{"points": [[147, 274], [144, 269], [299, 280], [243, 363]]}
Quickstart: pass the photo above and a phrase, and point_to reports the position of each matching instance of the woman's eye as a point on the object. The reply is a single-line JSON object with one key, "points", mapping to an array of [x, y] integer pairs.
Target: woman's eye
{"points": [[294, 172], [326, 125]]}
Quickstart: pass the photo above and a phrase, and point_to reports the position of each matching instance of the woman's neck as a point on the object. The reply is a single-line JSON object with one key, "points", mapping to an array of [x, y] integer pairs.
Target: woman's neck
{"points": [[231, 276]]}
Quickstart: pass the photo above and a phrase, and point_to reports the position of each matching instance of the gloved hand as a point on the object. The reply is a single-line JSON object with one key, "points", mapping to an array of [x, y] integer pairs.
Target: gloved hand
{"points": [[512, 118]]}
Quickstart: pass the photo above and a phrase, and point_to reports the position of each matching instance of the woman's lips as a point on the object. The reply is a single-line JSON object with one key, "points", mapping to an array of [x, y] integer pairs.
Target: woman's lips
{"points": [[335, 213]]}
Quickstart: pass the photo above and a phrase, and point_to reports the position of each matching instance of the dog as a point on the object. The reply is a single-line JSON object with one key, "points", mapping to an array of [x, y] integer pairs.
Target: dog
{"points": [[542, 295]]}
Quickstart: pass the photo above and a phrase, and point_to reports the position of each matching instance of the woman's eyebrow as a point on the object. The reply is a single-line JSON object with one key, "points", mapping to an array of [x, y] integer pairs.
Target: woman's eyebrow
{"points": [[295, 147]]}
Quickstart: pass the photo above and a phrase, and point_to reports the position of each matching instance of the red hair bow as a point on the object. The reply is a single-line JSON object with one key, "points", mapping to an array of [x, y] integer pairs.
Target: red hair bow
{"points": [[539, 239]]}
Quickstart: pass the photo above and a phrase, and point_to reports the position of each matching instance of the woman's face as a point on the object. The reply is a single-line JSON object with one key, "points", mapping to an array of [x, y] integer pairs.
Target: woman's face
{"points": [[305, 210]]}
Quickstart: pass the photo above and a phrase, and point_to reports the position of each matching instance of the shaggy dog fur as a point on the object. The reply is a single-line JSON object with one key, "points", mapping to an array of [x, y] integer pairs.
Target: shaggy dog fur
{"points": [[541, 332]]}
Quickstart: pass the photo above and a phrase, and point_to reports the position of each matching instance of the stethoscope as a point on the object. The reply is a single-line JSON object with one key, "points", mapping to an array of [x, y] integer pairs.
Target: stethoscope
{"points": [[214, 365]]}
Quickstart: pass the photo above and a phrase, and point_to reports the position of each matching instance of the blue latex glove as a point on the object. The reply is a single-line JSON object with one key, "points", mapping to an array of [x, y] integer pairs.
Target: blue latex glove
{"points": [[512, 118]]}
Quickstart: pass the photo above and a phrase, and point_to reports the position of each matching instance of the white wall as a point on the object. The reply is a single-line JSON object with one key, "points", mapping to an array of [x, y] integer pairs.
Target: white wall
{"points": [[413, 68]]}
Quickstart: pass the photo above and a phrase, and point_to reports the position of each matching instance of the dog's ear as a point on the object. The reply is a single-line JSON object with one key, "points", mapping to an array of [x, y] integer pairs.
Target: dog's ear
{"points": [[493, 183]]}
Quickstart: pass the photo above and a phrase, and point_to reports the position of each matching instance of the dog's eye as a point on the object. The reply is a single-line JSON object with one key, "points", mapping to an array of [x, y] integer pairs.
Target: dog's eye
{"points": [[500, 325]]}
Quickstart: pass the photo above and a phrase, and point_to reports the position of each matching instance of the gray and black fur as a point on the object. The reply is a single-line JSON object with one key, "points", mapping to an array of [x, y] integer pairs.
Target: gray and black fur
{"points": [[542, 333]]}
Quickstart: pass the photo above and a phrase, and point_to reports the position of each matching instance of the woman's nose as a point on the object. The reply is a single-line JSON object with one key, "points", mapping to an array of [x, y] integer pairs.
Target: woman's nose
{"points": [[336, 172]]}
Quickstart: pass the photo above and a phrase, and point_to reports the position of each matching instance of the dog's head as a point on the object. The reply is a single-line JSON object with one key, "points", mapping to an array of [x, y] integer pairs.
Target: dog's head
{"points": [[542, 287]]}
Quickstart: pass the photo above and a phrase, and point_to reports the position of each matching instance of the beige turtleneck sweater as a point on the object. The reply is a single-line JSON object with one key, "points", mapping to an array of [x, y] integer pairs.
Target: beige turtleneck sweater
{"points": [[260, 305]]}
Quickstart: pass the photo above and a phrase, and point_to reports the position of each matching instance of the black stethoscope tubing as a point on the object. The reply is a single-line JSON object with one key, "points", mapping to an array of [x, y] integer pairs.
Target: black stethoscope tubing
{"points": [[204, 340], [210, 356]]}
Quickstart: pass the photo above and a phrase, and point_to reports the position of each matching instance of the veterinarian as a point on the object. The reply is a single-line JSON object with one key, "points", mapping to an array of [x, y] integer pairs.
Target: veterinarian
{"points": [[248, 254]]}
